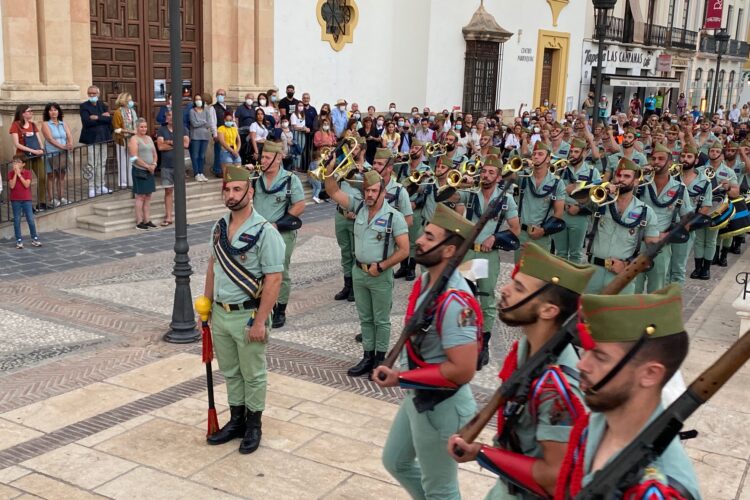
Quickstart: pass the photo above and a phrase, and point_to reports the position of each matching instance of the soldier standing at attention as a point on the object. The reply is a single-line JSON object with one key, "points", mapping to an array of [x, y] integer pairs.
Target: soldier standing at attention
{"points": [[280, 199], [435, 370], [381, 241], [569, 242], [635, 344], [541, 201], [668, 198], [499, 233], [243, 280], [531, 440]]}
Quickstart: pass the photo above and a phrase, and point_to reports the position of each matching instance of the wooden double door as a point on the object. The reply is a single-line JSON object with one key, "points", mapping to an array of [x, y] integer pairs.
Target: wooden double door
{"points": [[130, 51]]}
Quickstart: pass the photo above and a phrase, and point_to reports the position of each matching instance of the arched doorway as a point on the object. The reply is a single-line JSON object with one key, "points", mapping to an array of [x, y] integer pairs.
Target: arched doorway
{"points": [[130, 50]]}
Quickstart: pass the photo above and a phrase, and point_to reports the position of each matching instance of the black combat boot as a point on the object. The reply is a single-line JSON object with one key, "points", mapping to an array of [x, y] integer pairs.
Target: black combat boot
{"points": [[698, 268], [251, 439], [715, 262], [350, 298], [364, 366], [279, 315], [736, 245], [403, 268], [705, 270], [723, 257], [346, 291], [411, 265], [235, 428], [379, 358], [358, 338], [484, 354]]}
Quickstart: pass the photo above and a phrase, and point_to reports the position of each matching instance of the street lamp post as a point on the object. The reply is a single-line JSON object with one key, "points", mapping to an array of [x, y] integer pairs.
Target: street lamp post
{"points": [[601, 19], [182, 328], [722, 39]]}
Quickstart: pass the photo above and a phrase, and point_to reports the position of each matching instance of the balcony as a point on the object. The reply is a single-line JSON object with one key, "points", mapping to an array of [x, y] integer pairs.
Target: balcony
{"points": [[653, 34], [682, 39], [735, 48]]}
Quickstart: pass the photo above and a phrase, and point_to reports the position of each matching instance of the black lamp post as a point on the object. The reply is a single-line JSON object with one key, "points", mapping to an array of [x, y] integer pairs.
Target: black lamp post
{"points": [[182, 328], [601, 19], [722, 39]]}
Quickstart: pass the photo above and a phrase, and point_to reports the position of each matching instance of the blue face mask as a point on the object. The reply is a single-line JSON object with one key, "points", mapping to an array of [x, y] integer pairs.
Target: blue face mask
{"points": [[94, 99], [229, 124], [459, 126], [131, 104], [220, 99], [273, 98]]}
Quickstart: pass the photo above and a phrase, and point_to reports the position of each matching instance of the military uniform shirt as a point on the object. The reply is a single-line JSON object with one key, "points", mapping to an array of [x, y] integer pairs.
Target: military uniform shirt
{"points": [[274, 206], [676, 150], [458, 324], [739, 172], [562, 151], [393, 189], [535, 210], [673, 463], [723, 173], [665, 215], [613, 159], [265, 257], [615, 240], [586, 172], [369, 236], [489, 229], [699, 183], [705, 146]]}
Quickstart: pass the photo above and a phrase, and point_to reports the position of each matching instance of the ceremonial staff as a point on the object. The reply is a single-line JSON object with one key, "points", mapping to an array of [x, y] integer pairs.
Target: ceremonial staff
{"points": [[203, 307]]}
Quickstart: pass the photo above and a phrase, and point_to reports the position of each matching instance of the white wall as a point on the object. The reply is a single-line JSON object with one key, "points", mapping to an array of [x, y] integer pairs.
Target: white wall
{"points": [[413, 52]]}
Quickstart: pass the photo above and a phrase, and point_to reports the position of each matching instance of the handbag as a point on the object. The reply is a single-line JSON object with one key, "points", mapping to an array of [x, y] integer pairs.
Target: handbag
{"points": [[139, 173], [32, 141]]}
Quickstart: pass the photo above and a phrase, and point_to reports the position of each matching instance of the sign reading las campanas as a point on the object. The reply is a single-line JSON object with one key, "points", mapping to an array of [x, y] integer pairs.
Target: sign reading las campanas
{"points": [[615, 57]]}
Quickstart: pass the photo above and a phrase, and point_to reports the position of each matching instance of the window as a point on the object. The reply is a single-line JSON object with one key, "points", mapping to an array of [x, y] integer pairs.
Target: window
{"points": [[729, 24], [483, 60], [738, 30], [730, 88], [685, 13]]}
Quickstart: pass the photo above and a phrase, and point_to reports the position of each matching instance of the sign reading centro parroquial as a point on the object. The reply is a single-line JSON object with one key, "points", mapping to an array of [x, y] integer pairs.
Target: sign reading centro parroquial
{"points": [[615, 57]]}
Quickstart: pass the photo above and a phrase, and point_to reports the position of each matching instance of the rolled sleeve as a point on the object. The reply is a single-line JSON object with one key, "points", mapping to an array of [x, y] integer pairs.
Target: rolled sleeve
{"points": [[271, 253], [512, 211], [652, 225], [454, 332], [404, 205], [298, 193], [399, 224]]}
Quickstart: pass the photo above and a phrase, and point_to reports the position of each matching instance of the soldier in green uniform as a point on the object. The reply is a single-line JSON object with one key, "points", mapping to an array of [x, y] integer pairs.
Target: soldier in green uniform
{"points": [[627, 150], [668, 198], [699, 190], [705, 138], [280, 199], [569, 242], [344, 220], [559, 147], [381, 241], [541, 200], [738, 167], [621, 406], [441, 191], [243, 280], [500, 233], [418, 193], [619, 228], [724, 183], [674, 143], [435, 369], [532, 437]]}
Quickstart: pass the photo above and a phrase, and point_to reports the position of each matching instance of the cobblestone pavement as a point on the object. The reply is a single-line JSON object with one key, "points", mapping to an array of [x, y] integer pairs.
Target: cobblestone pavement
{"points": [[90, 380]]}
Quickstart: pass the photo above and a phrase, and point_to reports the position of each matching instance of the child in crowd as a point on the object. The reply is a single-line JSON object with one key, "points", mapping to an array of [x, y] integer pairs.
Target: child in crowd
{"points": [[19, 186]]}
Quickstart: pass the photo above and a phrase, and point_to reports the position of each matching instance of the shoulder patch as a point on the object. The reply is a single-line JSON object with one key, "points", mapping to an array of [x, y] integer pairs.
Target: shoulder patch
{"points": [[634, 214]]}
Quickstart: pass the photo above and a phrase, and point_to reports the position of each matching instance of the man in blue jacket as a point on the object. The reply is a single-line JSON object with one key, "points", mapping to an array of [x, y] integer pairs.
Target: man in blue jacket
{"points": [[96, 133]]}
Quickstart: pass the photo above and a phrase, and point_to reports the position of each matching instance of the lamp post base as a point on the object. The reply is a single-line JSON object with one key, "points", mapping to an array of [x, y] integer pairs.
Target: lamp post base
{"points": [[182, 333]]}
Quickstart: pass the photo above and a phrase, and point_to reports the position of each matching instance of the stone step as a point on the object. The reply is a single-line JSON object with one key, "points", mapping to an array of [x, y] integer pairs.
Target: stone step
{"points": [[195, 213]]}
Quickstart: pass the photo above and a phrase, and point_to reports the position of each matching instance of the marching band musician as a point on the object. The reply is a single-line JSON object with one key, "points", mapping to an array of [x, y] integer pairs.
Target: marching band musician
{"points": [[280, 199], [243, 279], [541, 200], [532, 438], [381, 241], [619, 227], [739, 167], [559, 147], [635, 344], [569, 242], [626, 150], [444, 357], [441, 191], [417, 197], [666, 197], [500, 233], [723, 183]]}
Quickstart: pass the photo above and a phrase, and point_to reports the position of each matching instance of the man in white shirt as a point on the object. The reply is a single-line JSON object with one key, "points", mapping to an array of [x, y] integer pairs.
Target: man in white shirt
{"points": [[734, 115]]}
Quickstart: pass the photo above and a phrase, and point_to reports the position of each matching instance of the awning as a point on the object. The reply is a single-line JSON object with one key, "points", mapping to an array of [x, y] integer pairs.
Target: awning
{"points": [[640, 81]]}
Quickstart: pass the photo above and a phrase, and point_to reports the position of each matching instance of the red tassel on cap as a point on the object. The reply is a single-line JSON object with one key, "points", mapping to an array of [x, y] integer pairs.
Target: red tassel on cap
{"points": [[516, 268], [584, 336]]}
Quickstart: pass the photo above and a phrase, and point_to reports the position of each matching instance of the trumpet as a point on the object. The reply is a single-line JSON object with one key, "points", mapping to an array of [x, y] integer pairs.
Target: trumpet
{"points": [[454, 178], [518, 166], [401, 158], [600, 193], [344, 166], [675, 169], [435, 149], [422, 177], [647, 176], [470, 168], [558, 166], [709, 172]]}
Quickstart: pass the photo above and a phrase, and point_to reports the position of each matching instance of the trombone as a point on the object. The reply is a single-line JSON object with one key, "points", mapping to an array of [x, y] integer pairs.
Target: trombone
{"points": [[344, 166], [435, 149], [600, 193]]}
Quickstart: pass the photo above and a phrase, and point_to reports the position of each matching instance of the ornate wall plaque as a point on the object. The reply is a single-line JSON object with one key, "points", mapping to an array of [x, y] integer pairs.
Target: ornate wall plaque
{"points": [[337, 19]]}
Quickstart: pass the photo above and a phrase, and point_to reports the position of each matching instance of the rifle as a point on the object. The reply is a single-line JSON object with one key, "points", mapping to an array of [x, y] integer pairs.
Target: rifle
{"points": [[518, 384], [422, 319], [626, 468]]}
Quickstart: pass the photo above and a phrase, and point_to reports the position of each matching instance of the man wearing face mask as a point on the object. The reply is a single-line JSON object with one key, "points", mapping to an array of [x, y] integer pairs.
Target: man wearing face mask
{"points": [[288, 103], [627, 150], [619, 228], [531, 439], [500, 233], [418, 194], [391, 111], [280, 199], [216, 119], [699, 190], [634, 345], [667, 197], [541, 200], [381, 241], [243, 280], [424, 133], [339, 117], [723, 184], [245, 115], [569, 242], [443, 358]]}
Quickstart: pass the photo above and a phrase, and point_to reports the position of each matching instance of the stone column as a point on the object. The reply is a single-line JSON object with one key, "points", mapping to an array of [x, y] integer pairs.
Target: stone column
{"points": [[20, 49]]}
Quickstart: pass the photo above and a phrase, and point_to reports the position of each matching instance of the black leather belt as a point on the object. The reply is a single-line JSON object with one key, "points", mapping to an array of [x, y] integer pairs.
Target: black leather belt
{"points": [[248, 304], [364, 267], [341, 210], [597, 261]]}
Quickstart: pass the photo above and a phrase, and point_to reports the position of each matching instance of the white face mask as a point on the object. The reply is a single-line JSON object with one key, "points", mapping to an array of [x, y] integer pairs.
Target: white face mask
{"points": [[380, 123], [342, 108], [262, 102], [392, 110], [198, 103], [249, 102], [326, 128], [284, 125], [536, 130]]}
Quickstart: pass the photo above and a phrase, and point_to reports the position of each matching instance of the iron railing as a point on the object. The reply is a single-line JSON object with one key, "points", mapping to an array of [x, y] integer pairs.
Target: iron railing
{"points": [[655, 35], [735, 48], [683, 39]]}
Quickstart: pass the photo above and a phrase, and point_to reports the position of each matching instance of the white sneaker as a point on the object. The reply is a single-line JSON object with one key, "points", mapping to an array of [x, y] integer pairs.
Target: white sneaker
{"points": [[105, 190], [56, 203], [317, 200], [64, 201], [92, 193], [204, 178]]}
